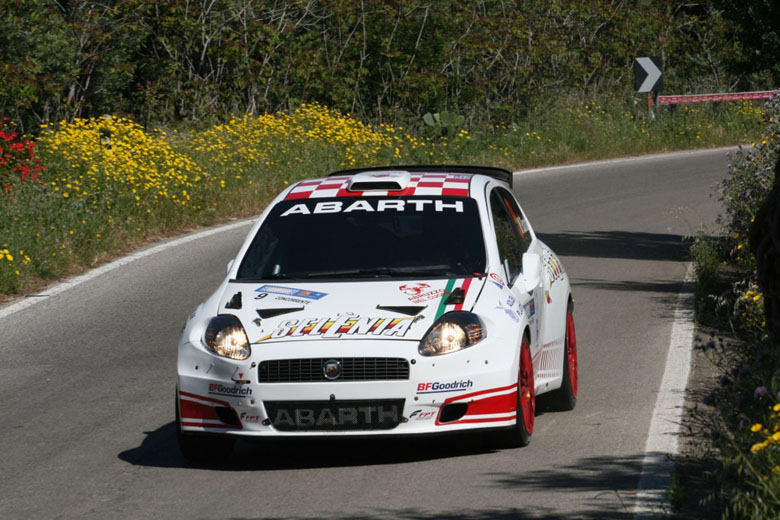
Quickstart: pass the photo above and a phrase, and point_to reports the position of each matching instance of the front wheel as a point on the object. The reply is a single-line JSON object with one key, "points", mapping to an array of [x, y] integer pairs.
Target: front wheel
{"points": [[520, 434]]}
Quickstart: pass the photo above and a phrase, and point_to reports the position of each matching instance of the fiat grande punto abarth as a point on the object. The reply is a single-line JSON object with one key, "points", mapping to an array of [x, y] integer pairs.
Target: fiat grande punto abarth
{"points": [[395, 301]]}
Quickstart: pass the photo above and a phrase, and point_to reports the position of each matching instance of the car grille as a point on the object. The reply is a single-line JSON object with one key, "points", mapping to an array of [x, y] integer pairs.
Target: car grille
{"points": [[292, 416], [352, 369]]}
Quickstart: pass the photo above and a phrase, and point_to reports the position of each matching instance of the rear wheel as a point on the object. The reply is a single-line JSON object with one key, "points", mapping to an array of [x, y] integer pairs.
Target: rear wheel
{"points": [[520, 434], [565, 398], [202, 449]]}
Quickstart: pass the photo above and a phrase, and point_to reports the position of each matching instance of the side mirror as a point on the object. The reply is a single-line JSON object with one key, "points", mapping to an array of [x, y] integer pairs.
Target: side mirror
{"points": [[532, 272], [229, 265]]}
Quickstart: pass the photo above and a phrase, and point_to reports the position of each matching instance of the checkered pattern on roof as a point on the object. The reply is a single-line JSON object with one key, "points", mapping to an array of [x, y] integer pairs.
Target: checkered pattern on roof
{"points": [[445, 184]]}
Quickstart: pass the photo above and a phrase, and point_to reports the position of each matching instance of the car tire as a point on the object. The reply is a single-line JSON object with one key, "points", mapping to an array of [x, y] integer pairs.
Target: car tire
{"points": [[202, 449], [565, 398], [519, 435]]}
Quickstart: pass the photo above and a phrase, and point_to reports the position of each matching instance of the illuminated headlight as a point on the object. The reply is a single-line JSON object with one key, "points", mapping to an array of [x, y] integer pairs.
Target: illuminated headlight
{"points": [[452, 332], [226, 337]]}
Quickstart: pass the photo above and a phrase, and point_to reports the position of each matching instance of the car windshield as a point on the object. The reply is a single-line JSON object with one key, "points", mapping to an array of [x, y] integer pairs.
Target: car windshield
{"points": [[356, 237]]}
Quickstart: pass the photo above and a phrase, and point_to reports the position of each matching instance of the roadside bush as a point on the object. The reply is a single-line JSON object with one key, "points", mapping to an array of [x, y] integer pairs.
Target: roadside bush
{"points": [[18, 162], [745, 424]]}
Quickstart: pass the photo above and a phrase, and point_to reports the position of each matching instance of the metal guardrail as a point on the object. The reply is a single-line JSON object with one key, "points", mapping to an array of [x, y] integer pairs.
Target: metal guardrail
{"points": [[707, 98]]}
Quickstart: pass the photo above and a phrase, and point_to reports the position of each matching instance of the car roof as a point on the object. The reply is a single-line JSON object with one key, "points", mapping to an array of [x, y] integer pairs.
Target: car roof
{"points": [[453, 181]]}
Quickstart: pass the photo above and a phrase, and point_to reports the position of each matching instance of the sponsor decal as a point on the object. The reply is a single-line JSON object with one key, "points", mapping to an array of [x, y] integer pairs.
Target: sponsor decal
{"points": [[230, 391], [530, 308], [510, 301], [342, 325], [413, 289], [497, 281], [303, 418], [419, 415], [245, 417], [238, 377], [514, 314], [370, 206], [437, 387], [547, 295], [421, 292], [553, 266], [292, 300], [291, 292]]}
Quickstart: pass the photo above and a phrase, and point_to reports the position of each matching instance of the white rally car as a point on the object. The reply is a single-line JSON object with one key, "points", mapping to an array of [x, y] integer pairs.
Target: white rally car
{"points": [[385, 301]]}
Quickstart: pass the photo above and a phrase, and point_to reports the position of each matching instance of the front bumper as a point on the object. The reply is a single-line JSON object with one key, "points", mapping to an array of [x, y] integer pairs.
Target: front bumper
{"points": [[474, 388]]}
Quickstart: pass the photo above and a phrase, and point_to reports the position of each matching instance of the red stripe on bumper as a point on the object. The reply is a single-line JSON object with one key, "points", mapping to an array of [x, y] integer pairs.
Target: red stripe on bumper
{"points": [[204, 398], [481, 392], [497, 404]]}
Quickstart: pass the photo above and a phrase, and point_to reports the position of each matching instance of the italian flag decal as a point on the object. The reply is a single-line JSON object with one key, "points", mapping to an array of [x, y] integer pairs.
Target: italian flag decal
{"points": [[463, 284]]}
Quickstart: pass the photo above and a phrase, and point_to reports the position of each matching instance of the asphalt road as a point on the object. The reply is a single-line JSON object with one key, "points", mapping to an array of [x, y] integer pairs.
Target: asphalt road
{"points": [[87, 381]]}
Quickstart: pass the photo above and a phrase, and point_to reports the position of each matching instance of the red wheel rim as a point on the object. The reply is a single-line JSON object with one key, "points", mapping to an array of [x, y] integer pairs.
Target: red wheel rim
{"points": [[571, 352], [527, 391]]}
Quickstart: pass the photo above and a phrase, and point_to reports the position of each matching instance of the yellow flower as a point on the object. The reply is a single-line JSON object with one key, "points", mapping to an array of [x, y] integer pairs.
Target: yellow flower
{"points": [[756, 427]]}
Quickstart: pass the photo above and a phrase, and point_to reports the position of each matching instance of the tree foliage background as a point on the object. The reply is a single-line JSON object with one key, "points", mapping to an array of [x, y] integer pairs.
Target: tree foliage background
{"points": [[197, 61]]}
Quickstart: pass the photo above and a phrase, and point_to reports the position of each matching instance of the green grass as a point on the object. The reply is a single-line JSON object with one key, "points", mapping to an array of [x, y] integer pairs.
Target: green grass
{"points": [[50, 236]]}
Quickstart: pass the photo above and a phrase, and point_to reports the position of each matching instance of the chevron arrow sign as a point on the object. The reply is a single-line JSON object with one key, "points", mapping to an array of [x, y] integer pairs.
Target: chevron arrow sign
{"points": [[648, 74]]}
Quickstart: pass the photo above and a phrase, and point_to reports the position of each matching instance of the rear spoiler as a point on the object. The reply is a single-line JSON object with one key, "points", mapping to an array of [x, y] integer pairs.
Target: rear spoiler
{"points": [[499, 174]]}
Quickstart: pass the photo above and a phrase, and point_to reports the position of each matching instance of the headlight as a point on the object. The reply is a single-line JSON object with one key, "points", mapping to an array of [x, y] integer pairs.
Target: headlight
{"points": [[452, 332], [226, 337]]}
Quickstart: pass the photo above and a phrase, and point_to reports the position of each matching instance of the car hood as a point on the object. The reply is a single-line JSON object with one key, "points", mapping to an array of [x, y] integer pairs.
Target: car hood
{"points": [[377, 310]]}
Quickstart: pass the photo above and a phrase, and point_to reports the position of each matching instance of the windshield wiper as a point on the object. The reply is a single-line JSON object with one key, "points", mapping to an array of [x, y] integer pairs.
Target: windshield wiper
{"points": [[275, 276], [342, 273], [399, 272]]}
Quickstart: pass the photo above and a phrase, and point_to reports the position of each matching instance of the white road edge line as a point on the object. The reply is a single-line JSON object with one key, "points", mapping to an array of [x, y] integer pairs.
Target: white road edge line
{"points": [[638, 158], [662, 439], [70, 283]]}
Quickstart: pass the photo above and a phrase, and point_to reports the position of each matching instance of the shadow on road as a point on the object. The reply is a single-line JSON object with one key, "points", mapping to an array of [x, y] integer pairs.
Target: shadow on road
{"points": [[618, 244], [160, 449]]}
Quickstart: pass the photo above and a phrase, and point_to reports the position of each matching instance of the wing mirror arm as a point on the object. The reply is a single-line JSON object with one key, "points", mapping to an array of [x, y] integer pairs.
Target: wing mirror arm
{"points": [[532, 272]]}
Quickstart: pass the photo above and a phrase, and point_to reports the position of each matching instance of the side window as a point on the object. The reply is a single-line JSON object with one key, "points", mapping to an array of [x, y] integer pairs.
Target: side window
{"points": [[510, 247], [517, 217]]}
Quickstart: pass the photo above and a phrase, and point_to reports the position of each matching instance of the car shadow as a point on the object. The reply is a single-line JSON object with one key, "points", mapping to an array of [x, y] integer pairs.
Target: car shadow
{"points": [[160, 449], [618, 244]]}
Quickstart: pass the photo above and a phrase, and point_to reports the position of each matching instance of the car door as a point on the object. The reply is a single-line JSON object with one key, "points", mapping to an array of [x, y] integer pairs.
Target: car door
{"points": [[513, 238]]}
